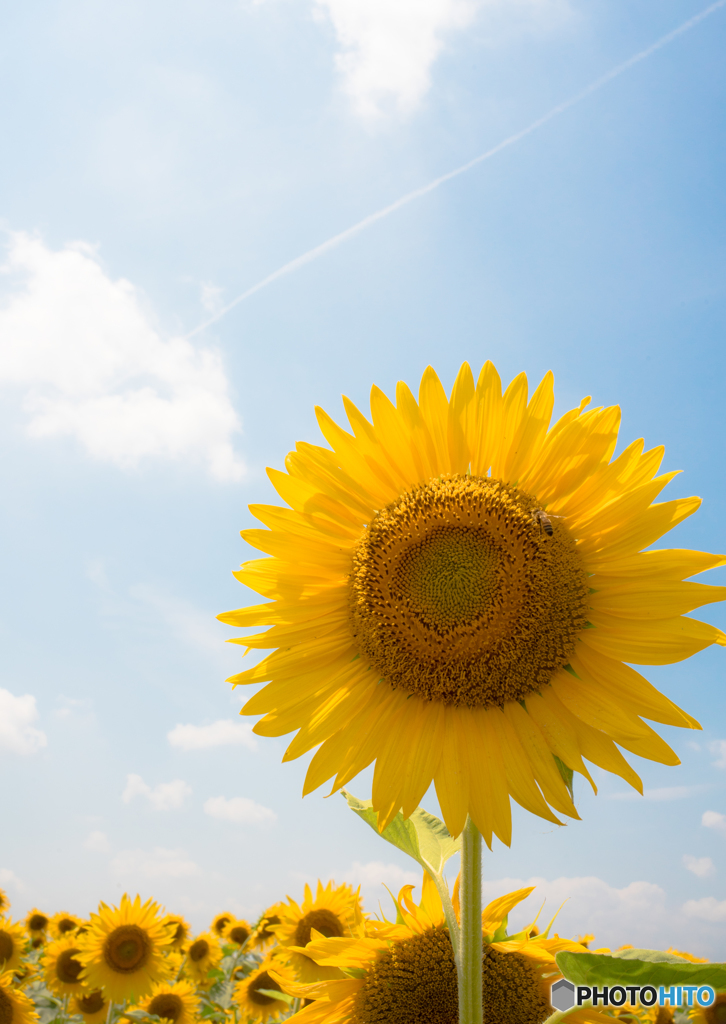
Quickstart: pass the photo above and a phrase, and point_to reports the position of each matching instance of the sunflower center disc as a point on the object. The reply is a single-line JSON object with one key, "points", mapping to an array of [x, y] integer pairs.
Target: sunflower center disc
{"points": [[126, 949], [93, 1003], [166, 1005], [323, 921], [262, 981], [38, 922], [67, 968], [65, 925], [6, 1008], [459, 595], [238, 934], [198, 950], [414, 982], [716, 1014], [6, 947]]}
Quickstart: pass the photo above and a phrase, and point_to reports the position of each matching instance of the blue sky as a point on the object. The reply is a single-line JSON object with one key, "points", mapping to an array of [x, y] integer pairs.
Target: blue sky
{"points": [[160, 159]]}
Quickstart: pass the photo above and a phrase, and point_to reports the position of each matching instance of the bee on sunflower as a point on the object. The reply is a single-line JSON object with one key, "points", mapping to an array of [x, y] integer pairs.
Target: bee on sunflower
{"points": [[405, 973], [331, 912], [123, 950], [456, 592], [61, 967], [15, 1006], [175, 1002]]}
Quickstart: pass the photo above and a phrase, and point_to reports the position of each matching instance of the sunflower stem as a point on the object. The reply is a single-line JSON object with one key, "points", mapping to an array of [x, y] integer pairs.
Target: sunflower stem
{"points": [[470, 946]]}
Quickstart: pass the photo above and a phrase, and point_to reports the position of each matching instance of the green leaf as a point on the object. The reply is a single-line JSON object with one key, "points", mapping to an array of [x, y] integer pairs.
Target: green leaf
{"points": [[422, 836], [272, 993], [566, 774], [214, 972], [638, 967]]}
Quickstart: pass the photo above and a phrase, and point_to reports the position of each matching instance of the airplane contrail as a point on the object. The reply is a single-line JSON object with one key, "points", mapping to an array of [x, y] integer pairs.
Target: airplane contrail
{"points": [[319, 250]]}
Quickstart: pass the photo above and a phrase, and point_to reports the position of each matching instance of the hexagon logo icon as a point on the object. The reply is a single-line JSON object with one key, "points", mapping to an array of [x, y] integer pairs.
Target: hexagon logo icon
{"points": [[563, 995]]}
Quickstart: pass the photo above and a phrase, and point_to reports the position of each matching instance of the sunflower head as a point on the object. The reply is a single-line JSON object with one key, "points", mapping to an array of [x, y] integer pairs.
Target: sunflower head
{"points": [[456, 592], [123, 950], [255, 994], [238, 932], [174, 1002], [180, 930], [264, 931], [332, 912], [15, 1006], [36, 923], [92, 1006], [62, 924], [220, 922], [4, 902], [202, 954], [12, 944], [61, 967]]}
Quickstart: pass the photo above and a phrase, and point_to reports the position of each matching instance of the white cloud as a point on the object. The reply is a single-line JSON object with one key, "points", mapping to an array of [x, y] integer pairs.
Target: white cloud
{"points": [[218, 734], [664, 793], [387, 48], [701, 867], [718, 747], [91, 364], [712, 819], [373, 876], [240, 810], [159, 863], [17, 734], [706, 909], [97, 842], [8, 877], [166, 796]]}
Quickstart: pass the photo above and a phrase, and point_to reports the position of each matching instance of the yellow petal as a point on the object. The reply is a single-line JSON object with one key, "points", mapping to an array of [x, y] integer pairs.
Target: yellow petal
{"points": [[520, 779], [435, 411], [660, 642], [645, 599], [541, 759], [493, 915], [528, 441], [486, 426], [514, 410], [668, 564], [461, 408], [644, 530]]}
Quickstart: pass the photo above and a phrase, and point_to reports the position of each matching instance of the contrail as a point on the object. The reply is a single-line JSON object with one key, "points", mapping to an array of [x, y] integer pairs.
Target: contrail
{"points": [[319, 250]]}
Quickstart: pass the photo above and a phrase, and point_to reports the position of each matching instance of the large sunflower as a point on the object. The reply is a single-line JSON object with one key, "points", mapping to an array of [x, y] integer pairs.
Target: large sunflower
{"points": [[454, 593], [175, 1002], [249, 994], [62, 968], [15, 1006], [12, 944], [404, 973], [332, 912], [123, 950]]}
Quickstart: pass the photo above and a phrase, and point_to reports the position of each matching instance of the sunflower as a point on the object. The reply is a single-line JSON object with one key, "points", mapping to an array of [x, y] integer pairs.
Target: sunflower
{"points": [[15, 1007], [255, 1004], [404, 973], [4, 902], [332, 912], [264, 934], [92, 1006], [182, 930], [36, 924], [123, 950], [238, 932], [62, 924], [12, 944], [454, 593], [220, 922], [202, 954], [175, 1002], [713, 1014], [61, 968]]}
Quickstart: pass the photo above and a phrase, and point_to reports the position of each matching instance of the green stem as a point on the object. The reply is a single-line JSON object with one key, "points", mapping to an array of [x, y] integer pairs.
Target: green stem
{"points": [[470, 948]]}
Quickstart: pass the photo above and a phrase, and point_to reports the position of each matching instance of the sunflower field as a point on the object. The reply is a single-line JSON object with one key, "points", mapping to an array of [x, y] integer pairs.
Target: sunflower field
{"points": [[323, 960]]}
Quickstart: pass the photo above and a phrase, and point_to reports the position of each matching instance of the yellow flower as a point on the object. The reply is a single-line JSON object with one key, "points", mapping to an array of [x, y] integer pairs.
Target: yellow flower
{"points": [[404, 973], [175, 1002], [455, 592], [203, 953], [237, 931], [4, 902], [332, 912], [123, 950], [15, 1007], [37, 924], [92, 1006], [62, 924], [264, 934], [255, 1004], [181, 930], [12, 944], [62, 968], [220, 922], [713, 1014]]}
